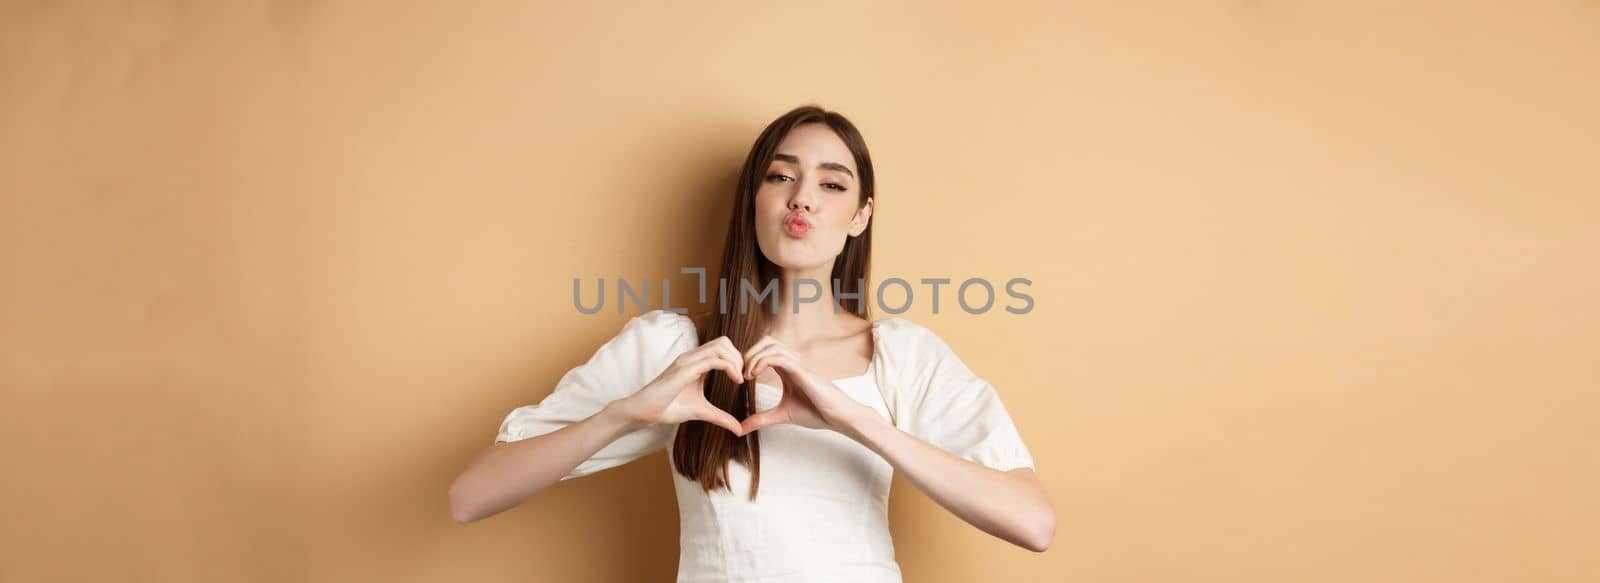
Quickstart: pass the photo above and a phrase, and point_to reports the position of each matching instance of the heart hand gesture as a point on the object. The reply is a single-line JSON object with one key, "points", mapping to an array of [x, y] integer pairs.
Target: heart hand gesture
{"points": [[808, 400], [678, 393]]}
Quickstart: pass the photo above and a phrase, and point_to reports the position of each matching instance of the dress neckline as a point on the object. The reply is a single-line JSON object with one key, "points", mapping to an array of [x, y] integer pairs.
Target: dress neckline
{"points": [[872, 364]]}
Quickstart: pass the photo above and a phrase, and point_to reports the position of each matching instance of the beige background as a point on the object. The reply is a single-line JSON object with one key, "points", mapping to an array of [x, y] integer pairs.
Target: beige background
{"points": [[1315, 281]]}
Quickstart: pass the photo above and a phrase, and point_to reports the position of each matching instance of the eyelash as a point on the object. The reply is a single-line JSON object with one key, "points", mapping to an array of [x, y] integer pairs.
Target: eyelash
{"points": [[835, 185]]}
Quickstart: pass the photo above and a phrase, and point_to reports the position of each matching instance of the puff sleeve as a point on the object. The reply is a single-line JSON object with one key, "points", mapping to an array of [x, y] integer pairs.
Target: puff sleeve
{"points": [[647, 344], [937, 398]]}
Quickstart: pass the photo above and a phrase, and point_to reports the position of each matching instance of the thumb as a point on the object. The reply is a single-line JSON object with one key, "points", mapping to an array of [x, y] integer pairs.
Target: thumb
{"points": [[714, 415], [771, 416]]}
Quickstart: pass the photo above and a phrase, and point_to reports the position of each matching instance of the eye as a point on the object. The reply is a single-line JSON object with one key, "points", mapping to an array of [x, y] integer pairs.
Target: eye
{"points": [[772, 176], [835, 186]]}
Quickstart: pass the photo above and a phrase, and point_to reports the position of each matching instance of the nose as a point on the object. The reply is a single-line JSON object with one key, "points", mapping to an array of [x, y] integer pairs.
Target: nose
{"points": [[801, 199]]}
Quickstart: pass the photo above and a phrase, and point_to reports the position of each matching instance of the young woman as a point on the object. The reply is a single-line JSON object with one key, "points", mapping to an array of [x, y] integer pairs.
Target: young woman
{"points": [[827, 402]]}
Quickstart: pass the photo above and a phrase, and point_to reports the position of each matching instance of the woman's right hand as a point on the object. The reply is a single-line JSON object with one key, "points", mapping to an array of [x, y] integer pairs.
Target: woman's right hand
{"points": [[678, 393]]}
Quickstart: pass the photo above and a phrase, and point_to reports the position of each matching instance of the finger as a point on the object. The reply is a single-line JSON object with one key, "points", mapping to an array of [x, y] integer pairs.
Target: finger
{"points": [[755, 354], [760, 344], [705, 365], [713, 349], [716, 416], [773, 358], [732, 356], [735, 368], [766, 418], [690, 357], [710, 352], [762, 341], [691, 365], [750, 360], [732, 369], [724, 347], [756, 365]]}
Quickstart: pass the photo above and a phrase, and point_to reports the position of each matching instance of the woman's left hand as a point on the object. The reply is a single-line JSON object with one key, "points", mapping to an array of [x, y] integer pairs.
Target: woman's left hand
{"points": [[807, 401]]}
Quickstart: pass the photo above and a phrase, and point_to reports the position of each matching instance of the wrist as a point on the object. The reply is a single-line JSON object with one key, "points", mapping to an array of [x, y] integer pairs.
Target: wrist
{"points": [[861, 420], [619, 414]]}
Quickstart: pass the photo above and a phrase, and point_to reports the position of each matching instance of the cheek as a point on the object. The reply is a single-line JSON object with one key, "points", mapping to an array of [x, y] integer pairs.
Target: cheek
{"points": [[768, 203], [841, 215]]}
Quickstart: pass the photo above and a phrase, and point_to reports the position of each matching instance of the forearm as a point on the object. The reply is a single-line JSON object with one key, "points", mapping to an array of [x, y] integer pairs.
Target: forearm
{"points": [[505, 474], [1009, 505]]}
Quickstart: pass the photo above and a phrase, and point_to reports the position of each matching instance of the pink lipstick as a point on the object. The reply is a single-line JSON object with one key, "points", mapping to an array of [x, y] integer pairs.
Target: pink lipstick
{"points": [[796, 224]]}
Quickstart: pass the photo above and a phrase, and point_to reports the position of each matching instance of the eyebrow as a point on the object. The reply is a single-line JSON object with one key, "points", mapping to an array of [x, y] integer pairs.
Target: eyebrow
{"points": [[790, 158]]}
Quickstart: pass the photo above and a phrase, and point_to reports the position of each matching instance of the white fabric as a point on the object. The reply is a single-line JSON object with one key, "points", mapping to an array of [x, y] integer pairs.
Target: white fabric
{"points": [[822, 510]]}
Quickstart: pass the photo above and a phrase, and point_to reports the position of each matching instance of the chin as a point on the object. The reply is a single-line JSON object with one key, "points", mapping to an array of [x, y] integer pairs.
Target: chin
{"points": [[789, 253], [789, 261], [793, 257]]}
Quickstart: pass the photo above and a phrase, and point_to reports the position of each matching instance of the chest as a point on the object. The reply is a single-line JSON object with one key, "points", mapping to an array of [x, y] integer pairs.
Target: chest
{"points": [[831, 359]]}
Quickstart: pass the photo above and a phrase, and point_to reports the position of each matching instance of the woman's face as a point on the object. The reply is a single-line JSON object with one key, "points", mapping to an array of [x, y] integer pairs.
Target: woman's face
{"points": [[807, 203]]}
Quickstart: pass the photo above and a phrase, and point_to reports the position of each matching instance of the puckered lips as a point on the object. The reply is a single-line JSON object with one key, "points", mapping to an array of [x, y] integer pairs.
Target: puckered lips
{"points": [[796, 224]]}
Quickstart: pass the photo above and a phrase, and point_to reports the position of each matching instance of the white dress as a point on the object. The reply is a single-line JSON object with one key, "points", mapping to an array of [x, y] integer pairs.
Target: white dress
{"points": [[822, 510]]}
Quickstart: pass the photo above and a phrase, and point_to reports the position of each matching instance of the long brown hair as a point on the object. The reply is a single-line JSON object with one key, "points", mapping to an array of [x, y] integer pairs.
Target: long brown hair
{"points": [[701, 450]]}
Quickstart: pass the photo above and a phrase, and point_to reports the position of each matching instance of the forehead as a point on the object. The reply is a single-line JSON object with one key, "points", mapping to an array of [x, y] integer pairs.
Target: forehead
{"points": [[815, 143]]}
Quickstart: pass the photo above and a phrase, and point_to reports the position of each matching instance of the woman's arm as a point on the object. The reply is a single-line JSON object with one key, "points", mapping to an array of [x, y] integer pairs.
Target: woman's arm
{"points": [[1010, 505], [505, 474]]}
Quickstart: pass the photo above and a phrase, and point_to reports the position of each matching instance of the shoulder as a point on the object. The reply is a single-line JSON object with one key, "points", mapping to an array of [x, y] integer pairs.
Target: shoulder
{"points": [[661, 325], [664, 319], [901, 331], [647, 343], [907, 344]]}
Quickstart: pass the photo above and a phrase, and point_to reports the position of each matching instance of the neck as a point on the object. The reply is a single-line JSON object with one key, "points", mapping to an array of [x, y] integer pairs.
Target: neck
{"points": [[798, 315]]}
